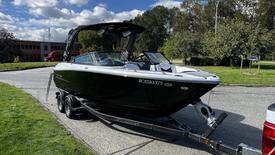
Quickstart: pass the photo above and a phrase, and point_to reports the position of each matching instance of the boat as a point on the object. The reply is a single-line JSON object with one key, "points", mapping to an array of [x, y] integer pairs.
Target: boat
{"points": [[120, 80]]}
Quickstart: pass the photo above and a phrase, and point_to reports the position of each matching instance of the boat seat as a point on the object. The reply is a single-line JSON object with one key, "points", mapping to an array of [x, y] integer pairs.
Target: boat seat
{"points": [[162, 67], [141, 65]]}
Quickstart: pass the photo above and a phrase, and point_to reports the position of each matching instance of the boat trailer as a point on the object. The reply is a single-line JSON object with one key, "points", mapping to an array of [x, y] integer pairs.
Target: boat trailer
{"points": [[71, 104]]}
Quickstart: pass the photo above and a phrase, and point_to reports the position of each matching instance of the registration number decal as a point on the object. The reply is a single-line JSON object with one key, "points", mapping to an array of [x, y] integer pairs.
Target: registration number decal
{"points": [[154, 82]]}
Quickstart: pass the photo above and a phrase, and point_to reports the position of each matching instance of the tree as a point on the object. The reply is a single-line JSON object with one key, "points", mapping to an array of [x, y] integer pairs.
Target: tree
{"points": [[182, 44], [201, 18], [7, 46], [157, 23], [235, 38], [197, 17], [90, 40], [266, 13], [169, 49]]}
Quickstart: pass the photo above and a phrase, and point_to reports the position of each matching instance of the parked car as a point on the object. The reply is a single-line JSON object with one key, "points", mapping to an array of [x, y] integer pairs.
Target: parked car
{"points": [[57, 55], [268, 144], [54, 56]]}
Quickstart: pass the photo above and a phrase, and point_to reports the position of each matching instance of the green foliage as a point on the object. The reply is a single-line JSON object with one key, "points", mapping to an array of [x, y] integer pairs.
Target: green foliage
{"points": [[89, 40], [157, 24], [245, 27], [182, 44], [235, 38], [195, 18], [266, 13], [202, 61], [7, 53], [169, 49]]}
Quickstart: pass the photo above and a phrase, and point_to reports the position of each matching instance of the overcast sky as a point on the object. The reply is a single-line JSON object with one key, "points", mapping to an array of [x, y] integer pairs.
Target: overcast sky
{"points": [[30, 19]]}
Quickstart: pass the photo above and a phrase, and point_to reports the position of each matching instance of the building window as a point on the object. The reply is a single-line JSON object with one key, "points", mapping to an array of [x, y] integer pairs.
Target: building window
{"points": [[45, 47]]}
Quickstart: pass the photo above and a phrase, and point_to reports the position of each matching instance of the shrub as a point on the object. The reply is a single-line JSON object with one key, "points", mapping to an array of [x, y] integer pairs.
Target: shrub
{"points": [[202, 61]]}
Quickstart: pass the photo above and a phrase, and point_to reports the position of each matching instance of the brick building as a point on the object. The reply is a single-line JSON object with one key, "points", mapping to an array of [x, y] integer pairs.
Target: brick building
{"points": [[36, 50]]}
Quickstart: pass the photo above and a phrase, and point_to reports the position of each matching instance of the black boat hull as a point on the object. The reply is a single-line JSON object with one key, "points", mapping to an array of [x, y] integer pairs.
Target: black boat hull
{"points": [[134, 95]]}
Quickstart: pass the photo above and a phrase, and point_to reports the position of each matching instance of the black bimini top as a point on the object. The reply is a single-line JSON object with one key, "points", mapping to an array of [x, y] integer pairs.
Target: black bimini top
{"points": [[114, 27]]}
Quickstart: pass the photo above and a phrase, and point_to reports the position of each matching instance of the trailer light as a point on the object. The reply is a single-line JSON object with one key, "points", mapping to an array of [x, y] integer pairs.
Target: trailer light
{"points": [[268, 147]]}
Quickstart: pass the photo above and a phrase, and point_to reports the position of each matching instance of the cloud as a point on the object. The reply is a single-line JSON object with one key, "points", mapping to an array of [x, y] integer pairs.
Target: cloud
{"points": [[77, 2], [60, 20], [5, 18], [52, 12], [126, 15], [97, 15], [35, 3], [167, 3], [36, 34]]}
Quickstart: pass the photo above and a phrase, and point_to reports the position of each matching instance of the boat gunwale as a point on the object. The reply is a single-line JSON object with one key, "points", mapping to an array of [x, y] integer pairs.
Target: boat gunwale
{"points": [[139, 74]]}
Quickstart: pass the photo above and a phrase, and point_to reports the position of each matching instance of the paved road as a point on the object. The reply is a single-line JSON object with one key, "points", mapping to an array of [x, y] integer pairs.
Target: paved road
{"points": [[245, 106]]}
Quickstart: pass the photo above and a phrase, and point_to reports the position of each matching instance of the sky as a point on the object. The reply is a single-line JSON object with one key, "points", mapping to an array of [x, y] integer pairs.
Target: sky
{"points": [[32, 19]]}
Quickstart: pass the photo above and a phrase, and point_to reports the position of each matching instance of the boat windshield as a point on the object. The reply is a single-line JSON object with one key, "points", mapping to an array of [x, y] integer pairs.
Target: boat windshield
{"points": [[108, 58], [156, 57]]}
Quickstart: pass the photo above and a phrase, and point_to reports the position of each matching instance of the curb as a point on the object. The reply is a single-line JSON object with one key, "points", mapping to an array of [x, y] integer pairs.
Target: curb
{"points": [[12, 70], [245, 85]]}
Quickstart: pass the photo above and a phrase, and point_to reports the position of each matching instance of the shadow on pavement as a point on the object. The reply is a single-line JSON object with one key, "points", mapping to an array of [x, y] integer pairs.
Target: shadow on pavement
{"points": [[231, 132]]}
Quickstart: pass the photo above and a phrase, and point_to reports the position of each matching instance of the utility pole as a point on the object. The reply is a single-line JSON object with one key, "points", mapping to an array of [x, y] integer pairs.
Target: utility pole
{"points": [[49, 34], [216, 16]]}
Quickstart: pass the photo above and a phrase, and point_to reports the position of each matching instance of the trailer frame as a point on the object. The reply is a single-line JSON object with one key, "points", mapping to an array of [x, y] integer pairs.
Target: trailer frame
{"points": [[172, 127]]}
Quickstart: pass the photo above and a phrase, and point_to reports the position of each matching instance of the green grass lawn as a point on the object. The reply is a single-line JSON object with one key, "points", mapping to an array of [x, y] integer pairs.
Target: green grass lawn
{"points": [[25, 65], [26, 128], [229, 75], [232, 75]]}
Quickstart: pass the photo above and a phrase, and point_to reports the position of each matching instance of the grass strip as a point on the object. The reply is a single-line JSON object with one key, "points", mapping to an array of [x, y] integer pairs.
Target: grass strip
{"points": [[27, 128]]}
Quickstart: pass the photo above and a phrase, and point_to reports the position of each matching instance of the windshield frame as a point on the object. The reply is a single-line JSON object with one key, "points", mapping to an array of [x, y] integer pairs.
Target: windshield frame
{"points": [[97, 58], [149, 54]]}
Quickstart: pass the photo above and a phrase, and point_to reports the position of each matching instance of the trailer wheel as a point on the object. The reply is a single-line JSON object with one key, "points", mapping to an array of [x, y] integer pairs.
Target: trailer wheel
{"points": [[68, 106], [60, 102]]}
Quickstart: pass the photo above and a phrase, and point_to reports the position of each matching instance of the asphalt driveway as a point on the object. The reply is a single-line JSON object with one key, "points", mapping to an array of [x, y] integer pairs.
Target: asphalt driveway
{"points": [[245, 106]]}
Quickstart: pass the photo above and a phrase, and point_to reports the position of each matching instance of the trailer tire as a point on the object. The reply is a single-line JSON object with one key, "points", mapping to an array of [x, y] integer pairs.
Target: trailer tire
{"points": [[60, 102], [68, 106]]}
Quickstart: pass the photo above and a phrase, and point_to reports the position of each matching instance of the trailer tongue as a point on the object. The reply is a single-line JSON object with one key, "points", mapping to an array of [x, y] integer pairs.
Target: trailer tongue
{"points": [[70, 104], [177, 130], [172, 127]]}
